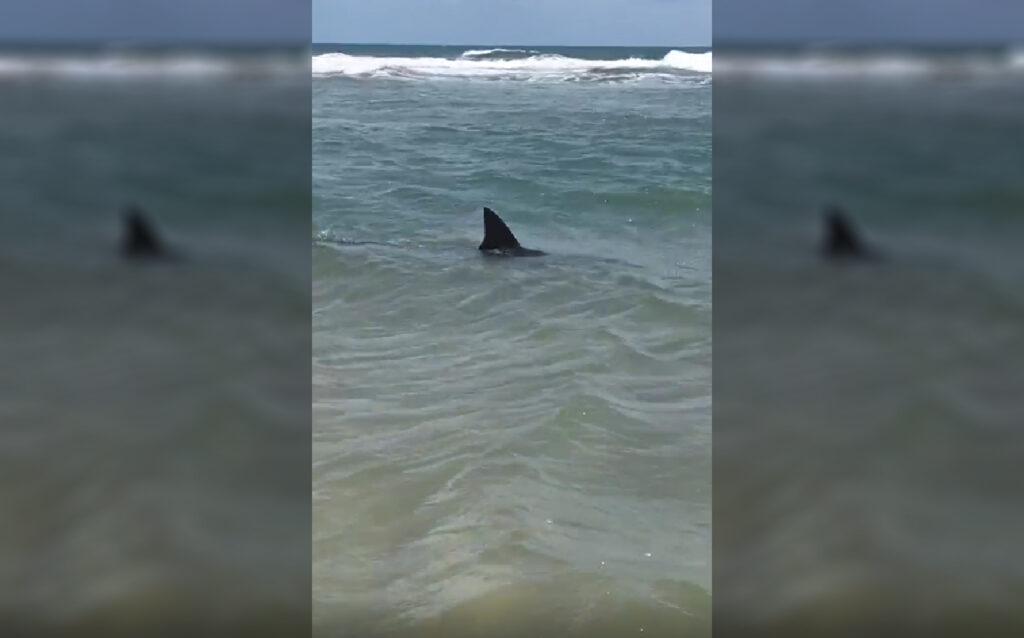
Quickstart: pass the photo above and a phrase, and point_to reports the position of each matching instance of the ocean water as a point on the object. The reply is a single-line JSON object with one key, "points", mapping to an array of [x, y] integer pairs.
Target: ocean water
{"points": [[509, 447], [867, 416], [154, 447]]}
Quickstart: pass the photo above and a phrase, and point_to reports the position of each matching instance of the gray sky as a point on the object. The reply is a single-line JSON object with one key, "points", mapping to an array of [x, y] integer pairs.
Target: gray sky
{"points": [[216, 20], [551, 22], [869, 20]]}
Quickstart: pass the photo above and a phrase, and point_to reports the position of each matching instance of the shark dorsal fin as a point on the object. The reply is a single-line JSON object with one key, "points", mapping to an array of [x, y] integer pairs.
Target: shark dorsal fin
{"points": [[139, 235], [840, 237], [139, 238], [497, 236]]}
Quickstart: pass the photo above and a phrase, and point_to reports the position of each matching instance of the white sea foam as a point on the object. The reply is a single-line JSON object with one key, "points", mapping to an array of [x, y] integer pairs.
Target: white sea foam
{"points": [[479, 53], [895, 65], [134, 66], [533, 67], [699, 62]]}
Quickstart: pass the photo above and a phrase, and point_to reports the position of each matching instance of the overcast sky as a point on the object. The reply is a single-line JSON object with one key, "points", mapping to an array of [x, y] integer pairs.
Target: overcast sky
{"points": [[870, 20], [551, 22], [252, 20]]}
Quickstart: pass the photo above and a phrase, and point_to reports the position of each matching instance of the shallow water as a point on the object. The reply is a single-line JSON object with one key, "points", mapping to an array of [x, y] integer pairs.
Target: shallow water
{"points": [[868, 415], [511, 445], [154, 452]]}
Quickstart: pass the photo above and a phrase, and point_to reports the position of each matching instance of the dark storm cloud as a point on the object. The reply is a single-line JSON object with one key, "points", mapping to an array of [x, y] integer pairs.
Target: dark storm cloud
{"points": [[155, 19], [869, 20]]}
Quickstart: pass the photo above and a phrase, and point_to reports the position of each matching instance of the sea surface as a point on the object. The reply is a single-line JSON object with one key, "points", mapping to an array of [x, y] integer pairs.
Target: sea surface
{"points": [[154, 418], [868, 416], [509, 447]]}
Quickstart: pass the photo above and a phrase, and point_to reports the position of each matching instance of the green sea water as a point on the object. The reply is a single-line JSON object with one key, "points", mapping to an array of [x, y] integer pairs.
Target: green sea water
{"points": [[867, 415], [511, 446], [154, 418]]}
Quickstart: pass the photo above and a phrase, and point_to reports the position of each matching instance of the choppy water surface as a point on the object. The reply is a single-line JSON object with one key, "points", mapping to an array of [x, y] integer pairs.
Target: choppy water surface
{"points": [[868, 415], [511, 445], [154, 418]]}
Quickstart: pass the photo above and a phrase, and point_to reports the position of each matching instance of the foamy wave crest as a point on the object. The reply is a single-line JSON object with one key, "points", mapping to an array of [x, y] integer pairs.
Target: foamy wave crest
{"points": [[497, 54], [546, 66], [871, 65], [698, 62], [138, 66]]}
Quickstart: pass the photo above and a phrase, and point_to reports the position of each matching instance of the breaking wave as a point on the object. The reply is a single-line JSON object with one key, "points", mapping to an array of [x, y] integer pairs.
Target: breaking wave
{"points": [[514, 64], [144, 65], [498, 54], [896, 65]]}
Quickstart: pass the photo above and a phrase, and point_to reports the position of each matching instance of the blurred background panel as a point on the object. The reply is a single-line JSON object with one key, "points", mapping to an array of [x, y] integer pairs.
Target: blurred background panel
{"points": [[154, 402], [867, 388]]}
